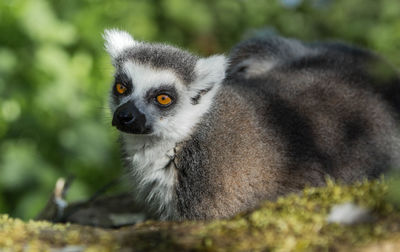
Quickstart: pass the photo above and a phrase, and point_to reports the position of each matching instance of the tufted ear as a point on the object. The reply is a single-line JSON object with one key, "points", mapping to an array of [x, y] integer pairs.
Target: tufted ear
{"points": [[209, 71], [117, 41]]}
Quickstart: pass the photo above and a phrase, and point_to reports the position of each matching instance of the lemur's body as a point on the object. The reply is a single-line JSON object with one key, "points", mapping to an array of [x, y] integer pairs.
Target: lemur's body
{"points": [[287, 115]]}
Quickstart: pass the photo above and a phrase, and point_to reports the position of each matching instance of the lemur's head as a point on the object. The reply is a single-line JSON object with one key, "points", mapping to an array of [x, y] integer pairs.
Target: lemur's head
{"points": [[159, 90]]}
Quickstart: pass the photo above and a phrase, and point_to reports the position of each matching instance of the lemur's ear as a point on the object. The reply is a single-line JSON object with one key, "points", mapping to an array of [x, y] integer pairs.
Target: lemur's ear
{"points": [[117, 41], [209, 71]]}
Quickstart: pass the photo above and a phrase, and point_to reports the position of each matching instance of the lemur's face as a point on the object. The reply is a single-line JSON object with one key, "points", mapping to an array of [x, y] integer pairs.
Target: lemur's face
{"points": [[159, 90], [145, 100]]}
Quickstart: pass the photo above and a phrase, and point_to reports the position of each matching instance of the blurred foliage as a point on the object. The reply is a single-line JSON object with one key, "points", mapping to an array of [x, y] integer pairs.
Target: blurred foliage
{"points": [[55, 75]]}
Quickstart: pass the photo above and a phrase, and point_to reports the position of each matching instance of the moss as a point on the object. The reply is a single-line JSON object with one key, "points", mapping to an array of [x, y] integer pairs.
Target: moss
{"points": [[42, 236], [299, 222], [295, 222]]}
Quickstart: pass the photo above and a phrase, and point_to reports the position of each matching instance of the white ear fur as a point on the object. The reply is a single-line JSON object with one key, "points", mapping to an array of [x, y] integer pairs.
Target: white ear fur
{"points": [[209, 71], [116, 41]]}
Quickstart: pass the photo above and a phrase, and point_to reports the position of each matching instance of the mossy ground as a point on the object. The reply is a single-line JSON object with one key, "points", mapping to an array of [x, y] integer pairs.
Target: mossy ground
{"points": [[295, 222]]}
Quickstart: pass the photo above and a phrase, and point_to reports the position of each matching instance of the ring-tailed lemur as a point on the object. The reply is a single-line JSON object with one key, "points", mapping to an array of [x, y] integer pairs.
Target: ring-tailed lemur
{"points": [[203, 145]]}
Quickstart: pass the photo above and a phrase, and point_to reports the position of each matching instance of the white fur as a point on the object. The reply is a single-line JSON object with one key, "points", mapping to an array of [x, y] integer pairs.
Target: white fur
{"points": [[144, 77], [209, 71], [148, 158], [117, 41], [149, 154], [256, 67], [348, 213]]}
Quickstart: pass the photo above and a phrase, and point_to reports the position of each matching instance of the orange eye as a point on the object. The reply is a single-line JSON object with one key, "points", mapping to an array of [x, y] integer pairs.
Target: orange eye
{"points": [[120, 88], [164, 99]]}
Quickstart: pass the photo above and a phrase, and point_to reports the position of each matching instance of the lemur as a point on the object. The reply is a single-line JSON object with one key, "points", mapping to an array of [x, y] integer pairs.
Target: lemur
{"points": [[210, 137]]}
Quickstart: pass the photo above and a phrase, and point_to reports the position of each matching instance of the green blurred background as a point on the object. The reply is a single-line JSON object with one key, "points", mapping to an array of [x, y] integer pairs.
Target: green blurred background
{"points": [[55, 75]]}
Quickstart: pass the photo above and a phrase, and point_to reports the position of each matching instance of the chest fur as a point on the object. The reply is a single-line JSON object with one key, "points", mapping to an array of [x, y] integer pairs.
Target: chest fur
{"points": [[154, 176]]}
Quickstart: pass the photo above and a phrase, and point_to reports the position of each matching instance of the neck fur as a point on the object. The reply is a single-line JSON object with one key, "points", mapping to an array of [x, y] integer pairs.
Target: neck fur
{"points": [[150, 161]]}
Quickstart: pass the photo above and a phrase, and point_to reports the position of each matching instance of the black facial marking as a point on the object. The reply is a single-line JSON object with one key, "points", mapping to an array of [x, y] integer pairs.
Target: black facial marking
{"points": [[195, 100], [169, 90], [124, 80], [129, 119]]}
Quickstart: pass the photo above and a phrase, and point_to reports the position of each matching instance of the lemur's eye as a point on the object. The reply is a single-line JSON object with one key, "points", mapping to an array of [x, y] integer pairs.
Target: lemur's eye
{"points": [[164, 99], [121, 89]]}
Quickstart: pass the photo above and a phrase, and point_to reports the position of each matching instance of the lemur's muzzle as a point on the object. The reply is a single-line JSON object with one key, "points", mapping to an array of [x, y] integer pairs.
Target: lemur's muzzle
{"points": [[129, 119]]}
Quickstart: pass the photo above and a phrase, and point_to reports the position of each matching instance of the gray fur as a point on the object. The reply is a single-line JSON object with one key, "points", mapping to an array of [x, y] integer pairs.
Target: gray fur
{"points": [[162, 56], [259, 55], [290, 127], [313, 111]]}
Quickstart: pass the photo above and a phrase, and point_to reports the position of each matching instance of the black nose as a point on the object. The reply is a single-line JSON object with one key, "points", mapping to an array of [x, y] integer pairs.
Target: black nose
{"points": [[125, 117], [129, 119]]}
